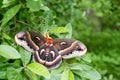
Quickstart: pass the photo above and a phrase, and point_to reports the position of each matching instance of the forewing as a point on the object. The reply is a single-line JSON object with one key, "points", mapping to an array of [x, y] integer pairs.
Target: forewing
{"points": [[69, 48], [31, 41]]}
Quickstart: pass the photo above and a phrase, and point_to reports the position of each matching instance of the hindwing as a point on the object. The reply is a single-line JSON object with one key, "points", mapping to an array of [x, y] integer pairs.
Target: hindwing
{"points": [[48, 56]]}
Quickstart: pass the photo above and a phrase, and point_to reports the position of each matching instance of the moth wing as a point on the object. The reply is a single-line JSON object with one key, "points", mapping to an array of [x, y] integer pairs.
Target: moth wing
{"points": [[49, 57], [37, 38], [69, 48], [31, 41]]}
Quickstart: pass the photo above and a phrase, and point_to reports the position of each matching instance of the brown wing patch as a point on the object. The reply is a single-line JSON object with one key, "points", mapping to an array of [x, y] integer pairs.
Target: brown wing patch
{"points": [[28, 36], [57, 46]]}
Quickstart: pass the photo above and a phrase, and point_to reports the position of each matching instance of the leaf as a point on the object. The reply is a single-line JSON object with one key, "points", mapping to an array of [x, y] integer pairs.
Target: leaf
{"points": [[87, 72], [31, 75], [49, 19], [54, 76], [91, 74], [14, 74], [9, 15], [39, 69], [2, 59], [86, 58], [64, 75], [58, 30], [56, 73], [7, 3], [71, 76], [60, 69], [0, 3], [67, 75], [34, 5], [6, 36], [2, 74], [17, 62], [9, 52], [69, 27], [70, 61], [25, 56], [45, 8]]}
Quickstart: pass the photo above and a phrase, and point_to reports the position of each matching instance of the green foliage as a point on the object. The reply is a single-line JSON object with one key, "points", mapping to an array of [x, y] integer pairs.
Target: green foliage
{"points": [[86, 71], [25, 56], [14, 74], [67, 75], [38, 69], [9, 14], [94, 22], [7, 3], [59, 30], [34, 5], [9, 52]]}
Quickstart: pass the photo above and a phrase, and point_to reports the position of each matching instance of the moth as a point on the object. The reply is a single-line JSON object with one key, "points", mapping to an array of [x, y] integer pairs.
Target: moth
{"points": [[48, 51]]}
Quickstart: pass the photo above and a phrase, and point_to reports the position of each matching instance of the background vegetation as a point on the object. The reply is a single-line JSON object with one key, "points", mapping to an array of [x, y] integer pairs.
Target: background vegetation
{"points": [[94, 22]]}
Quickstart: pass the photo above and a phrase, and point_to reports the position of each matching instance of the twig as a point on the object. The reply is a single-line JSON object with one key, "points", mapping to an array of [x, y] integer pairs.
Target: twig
{"points": [[13, 27], [15, 21], [24, 23]]}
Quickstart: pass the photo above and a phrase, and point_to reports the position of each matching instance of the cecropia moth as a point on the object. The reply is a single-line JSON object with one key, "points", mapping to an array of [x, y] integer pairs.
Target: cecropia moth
{"points": [[48, 51]]}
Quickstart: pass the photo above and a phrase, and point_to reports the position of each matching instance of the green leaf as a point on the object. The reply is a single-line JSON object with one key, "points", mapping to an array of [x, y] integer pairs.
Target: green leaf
{"points": [[91, 74], [9, 52], [45, 8], [2, 74], [7, 3], [0, 3], [49, 19], [58, 30], [71, 76], [25, 56], [14, 74], [6, 36], [64, 75], [60, 69], [39, 69], [69, 27], [9, 15], [55, 76], [70, 61], [56, 73], [17, 62], [2, 59], [34, 5], [31, 75], [86, 58], [86, 72], [67, 75]]}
